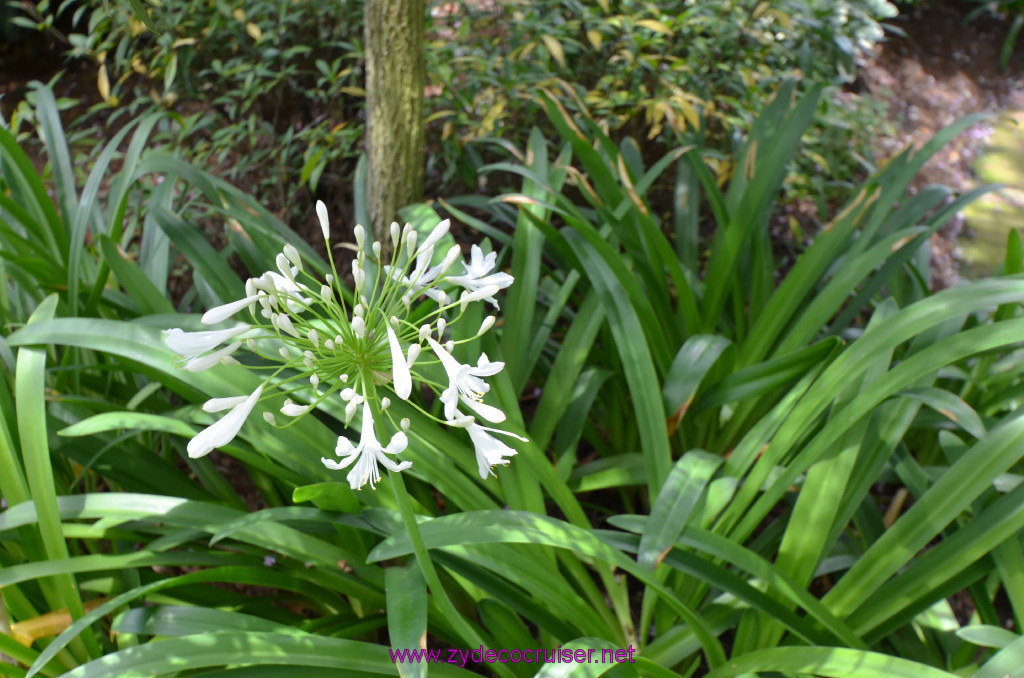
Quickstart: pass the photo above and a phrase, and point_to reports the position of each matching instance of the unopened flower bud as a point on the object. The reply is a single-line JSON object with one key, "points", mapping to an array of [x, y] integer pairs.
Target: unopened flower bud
{"points": [[453, 253], [396, 233], [461, 422], [376, 249], [359, 310], [410, 241], [385, 403], [293, 410], [424, 332], [329, 278], [284, 267], [442, 299], [284, 352], [250, 344], [314, 381], [314, 338], [285, 323], [344, 378], [325, 293], [441, 325], [250, 288], [347, 394], [449, 346], [435, 235], [360, 234], [350, 411], [293, 256], [414, 352], [325, 224], [404, 423], [487, 324], [267, 281], [359, 327], [269, 418], [228, 360], [329, 345]]}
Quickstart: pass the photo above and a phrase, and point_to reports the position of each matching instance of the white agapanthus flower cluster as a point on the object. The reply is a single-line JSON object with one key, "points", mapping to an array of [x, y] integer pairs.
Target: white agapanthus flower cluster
{"points": [[362, 346]]}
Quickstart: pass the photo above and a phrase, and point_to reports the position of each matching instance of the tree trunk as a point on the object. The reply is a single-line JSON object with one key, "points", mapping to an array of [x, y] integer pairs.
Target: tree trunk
{"points": [[394, 110]]}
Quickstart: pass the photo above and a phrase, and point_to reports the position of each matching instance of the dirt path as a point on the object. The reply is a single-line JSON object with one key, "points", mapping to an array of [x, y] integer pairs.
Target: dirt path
{"points": [[942, 71]]}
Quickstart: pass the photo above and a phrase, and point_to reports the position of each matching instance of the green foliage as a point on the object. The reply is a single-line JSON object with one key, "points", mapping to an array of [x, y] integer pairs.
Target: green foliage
{"points": [[278, 83], [718, 443], [702, 72]]}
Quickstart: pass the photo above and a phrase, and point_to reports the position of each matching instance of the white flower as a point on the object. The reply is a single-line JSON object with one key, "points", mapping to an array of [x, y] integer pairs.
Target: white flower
{"points": [[223, 431], [399, 367], [489, 450], [477, 270], [367, 454], [464, 381]]}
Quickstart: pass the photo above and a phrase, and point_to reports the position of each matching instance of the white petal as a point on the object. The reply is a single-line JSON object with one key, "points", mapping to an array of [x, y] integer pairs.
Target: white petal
{"points": [[398, 443], [450, 364], [393, 466], [207, 361], [480, 294], [337, 465], [325, 224], [450, 398], [485, 368], [345, 448], [221, 404], [222, 432], [399, 367], [492, 414]]}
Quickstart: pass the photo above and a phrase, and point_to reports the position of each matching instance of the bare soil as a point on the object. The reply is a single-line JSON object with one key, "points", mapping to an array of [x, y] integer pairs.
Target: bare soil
{"points": [[943, 70]]}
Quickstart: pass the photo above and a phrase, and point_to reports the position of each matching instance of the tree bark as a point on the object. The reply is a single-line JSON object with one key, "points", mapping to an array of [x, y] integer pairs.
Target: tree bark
{"points": [[394, 110]]}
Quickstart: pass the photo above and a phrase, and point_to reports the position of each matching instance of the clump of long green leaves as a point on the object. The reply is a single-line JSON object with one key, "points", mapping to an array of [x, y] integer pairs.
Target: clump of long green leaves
{"points": [[734, 429]]}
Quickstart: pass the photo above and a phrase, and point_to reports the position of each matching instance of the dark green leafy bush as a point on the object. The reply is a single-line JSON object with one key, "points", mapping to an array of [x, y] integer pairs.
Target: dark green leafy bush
{"points": [[279, 82]]}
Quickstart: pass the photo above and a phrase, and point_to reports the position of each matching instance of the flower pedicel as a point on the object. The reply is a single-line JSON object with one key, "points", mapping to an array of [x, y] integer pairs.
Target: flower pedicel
{"points": [[364, 355]]}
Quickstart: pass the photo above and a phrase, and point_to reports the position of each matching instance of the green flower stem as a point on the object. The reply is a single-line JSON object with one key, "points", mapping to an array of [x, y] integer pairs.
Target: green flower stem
{"points": [[461, 626]]}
